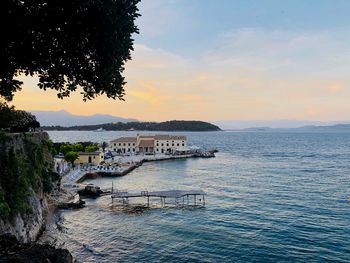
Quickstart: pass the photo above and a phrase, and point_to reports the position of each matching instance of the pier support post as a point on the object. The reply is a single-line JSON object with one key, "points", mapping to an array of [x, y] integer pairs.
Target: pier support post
{"points": [[147, 201], [195, 201], [203, 200]]}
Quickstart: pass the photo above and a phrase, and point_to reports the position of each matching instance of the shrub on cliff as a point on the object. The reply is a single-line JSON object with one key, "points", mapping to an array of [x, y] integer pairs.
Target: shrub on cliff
{"points": [[13, 120], [25, 166]]}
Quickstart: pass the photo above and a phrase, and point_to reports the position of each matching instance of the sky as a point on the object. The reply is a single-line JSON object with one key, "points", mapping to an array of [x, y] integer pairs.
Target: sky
{"points": [[228, 60]]}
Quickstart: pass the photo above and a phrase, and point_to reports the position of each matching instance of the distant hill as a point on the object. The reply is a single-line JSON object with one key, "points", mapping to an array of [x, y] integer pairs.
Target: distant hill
{"points": [[337, 127], [284, 124], [308, 128], [143, 126], [65, 119]]}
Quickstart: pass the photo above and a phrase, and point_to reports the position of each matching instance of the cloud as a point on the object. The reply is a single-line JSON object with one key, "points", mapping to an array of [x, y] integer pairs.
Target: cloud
{"points": [[251, 74]]}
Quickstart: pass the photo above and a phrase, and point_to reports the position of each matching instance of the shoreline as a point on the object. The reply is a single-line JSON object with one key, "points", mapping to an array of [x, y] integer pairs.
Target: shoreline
{"points": [[133, 166]]}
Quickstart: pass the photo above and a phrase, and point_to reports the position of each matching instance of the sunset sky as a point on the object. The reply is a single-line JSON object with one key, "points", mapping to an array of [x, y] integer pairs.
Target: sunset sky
{"points": [[228, 60]]}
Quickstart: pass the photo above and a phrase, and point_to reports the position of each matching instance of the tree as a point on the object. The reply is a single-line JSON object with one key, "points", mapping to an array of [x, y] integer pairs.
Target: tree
{"points": [[104, 145], [23, 121], [71, 157], [67, 44], [77, 147], [91, 148], [65, 148], [16, 120]]}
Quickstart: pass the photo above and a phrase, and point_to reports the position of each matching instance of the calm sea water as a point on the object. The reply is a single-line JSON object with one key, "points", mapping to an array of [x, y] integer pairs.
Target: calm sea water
{"points": [[272, 197]]}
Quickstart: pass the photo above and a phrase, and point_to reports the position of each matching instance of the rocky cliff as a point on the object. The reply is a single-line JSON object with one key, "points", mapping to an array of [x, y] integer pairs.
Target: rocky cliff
{"points": [[25, 180]]}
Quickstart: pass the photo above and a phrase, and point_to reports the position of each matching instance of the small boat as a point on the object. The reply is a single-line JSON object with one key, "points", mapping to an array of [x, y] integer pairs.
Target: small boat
{"points": [[100, 130]]}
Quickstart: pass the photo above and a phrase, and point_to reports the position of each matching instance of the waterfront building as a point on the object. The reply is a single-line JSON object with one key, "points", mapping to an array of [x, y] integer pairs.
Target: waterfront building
{"points": [[94, 158], [146, 144], [169, 143], [123, 145]]}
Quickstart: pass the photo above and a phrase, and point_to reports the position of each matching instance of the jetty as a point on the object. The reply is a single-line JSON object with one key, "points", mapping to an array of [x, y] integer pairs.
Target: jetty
{"points": [[177, 197]]}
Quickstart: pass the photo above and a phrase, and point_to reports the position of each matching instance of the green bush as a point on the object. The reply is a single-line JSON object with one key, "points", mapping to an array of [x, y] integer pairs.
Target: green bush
{"points": [[91, 148], [16, 120], [22, 172], [71, 157]]}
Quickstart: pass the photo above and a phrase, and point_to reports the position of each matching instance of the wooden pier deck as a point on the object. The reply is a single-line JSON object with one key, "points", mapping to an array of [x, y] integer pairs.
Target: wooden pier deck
{"points": [[180, 197]]}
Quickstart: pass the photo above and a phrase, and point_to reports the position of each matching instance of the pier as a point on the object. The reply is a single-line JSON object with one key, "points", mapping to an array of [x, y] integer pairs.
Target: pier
{"points": [[179, 197]]}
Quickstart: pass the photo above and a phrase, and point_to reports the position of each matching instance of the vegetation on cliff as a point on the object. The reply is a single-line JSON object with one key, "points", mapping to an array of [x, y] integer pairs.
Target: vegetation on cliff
{"points": [[16, 120], [26, 166], [144, 126]]}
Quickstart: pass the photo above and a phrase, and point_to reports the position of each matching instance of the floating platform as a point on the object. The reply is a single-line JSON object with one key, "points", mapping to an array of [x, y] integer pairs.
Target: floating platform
{"points": [[179, 197]]}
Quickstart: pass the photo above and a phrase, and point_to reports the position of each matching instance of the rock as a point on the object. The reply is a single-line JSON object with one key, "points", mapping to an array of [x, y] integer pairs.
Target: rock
{"points": [[11, 250], [91, 191], [27, 227], [74, 205]]}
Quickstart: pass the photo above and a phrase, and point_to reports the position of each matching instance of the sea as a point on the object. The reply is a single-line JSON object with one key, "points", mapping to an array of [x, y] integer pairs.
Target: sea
{"points": [[271, 197]]}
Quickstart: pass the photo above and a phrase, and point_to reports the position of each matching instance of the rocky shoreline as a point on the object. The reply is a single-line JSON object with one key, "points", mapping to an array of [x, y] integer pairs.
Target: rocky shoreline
{"points": [[11, 250]]}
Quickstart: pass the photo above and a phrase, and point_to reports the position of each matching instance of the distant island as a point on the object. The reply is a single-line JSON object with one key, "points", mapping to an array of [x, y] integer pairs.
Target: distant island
{"points": [[141, 126]]}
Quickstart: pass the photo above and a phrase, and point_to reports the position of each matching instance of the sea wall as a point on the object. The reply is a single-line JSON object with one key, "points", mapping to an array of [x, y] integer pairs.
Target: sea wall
{"points": [[25, 179]]}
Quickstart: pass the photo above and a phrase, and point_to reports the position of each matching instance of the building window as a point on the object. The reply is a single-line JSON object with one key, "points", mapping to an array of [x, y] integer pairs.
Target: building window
{"points": [[133, 149], [178, 144], [167, 144], [157, 144], [183, 144], [173, 144], [120, 144], [157, 150], [115, 144], [124, 144], [133, 144], [115, 149], [162, 144]]}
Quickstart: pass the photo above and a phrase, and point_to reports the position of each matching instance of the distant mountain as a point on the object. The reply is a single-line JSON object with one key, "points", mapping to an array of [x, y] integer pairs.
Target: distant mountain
{"points": [[337, 127], [142, 126], [284, 124], [309, 128], [65, 119]]}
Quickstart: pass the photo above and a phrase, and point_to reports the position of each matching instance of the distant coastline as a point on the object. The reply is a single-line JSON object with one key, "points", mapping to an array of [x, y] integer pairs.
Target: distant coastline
{"points": [[141, 126], [309, 128]]}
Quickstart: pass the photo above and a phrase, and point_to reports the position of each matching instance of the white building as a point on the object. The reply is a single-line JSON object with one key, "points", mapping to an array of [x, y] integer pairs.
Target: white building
{"points": [[123, 145], [145, 144], [158, 144], [169, 143]]}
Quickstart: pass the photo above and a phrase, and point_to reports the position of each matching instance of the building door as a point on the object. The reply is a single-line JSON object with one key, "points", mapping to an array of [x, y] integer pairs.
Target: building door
{"points": [[89, 159]]}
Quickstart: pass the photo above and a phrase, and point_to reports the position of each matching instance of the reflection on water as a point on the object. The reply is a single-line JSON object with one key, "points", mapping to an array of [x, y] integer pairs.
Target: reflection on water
{"points": [[272, 197]]}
